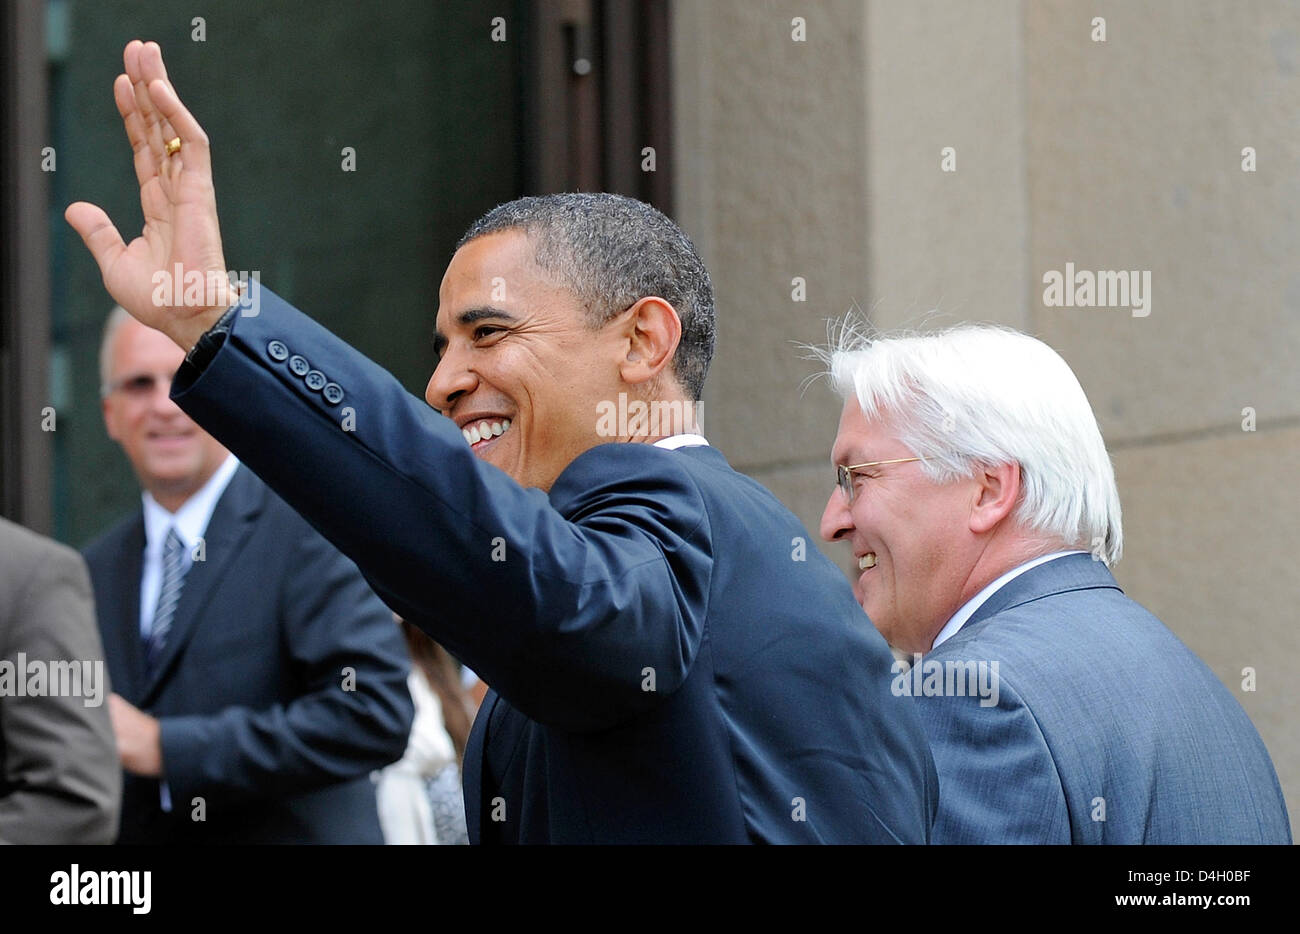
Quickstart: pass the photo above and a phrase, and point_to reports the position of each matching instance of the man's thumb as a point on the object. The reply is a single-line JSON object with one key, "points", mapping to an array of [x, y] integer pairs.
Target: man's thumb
{"points": [[97, 232]]}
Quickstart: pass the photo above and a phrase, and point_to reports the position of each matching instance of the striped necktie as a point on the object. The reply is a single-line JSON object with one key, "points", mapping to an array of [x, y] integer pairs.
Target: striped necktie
{"points": [[168, 596]]}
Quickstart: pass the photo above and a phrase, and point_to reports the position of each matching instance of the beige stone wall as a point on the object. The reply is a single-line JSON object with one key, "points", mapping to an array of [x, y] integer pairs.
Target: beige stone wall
{"points": [[822, 159], [771, 137]]}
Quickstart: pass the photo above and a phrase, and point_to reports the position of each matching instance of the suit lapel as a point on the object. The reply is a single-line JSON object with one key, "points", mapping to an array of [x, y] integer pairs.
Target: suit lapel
{"points": [[120, 606], [231, 523]]}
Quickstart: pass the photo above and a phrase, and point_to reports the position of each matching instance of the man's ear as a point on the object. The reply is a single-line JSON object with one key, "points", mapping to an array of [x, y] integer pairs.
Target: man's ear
{"points": [[110, 417], [997, 492], [653, 331]]}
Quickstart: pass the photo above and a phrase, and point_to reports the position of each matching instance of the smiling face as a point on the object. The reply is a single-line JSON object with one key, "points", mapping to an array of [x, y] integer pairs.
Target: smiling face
{"points": [[516, 354], [172, 456], [917, 533]]}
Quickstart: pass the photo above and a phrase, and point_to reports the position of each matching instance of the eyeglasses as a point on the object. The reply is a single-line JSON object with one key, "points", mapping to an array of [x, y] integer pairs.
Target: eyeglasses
{"points": [[140, 386], [844, 474]]}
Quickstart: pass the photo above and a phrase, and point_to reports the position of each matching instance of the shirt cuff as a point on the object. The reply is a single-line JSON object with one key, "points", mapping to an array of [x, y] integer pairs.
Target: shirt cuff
{"points": [[201, 353]]}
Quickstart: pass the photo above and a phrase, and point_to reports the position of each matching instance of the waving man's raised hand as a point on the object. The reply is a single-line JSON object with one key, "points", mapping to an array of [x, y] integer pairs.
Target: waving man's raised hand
{"points": [[180, 244]]}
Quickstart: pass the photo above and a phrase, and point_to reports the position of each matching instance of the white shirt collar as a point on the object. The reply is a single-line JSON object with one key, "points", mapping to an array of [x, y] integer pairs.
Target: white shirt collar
{"points": [[960, 618], [673, 442], [191, 520]]}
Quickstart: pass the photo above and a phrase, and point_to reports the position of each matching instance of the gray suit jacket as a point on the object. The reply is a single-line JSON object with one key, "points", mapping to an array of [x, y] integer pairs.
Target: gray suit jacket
{"points": [[60, 781], [1107, 729]]}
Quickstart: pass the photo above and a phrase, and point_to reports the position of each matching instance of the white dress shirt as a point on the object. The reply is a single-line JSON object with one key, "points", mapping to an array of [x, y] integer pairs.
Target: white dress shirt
{"points": [[968, 609], [673, 442], [190, 522]]}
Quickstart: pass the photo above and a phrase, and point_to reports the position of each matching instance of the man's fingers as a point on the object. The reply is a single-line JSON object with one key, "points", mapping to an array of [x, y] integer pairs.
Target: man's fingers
{"points": [[152, 69], [151, 62], [161, 115], [194, 142], [169, 131], [137, 59], [97, 232], [146, 165], [124, 98], [148, 120], [131, 59]]}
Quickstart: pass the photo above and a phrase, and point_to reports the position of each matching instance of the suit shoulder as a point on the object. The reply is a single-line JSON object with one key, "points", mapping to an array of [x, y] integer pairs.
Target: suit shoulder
{"points": [[1099, 644], [636, 460], [274, 508], [106, 545], [280, 527], [33, 564], [21, 545], [29, 556], [624, 474], [1084, 622], [698, 472]]}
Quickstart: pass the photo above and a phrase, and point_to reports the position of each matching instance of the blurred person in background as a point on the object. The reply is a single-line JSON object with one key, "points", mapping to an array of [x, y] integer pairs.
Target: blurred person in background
{"points": [[258, 679], [420, 796], [59, 777]]}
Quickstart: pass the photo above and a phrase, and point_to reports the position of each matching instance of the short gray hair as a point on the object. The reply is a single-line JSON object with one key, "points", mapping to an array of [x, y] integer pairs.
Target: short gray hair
{"points": [[981, 395], [611, 251], [116, 318]]}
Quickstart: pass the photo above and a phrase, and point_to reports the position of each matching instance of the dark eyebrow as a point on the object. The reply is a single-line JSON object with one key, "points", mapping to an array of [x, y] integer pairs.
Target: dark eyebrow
{"points": [[468, 317]]}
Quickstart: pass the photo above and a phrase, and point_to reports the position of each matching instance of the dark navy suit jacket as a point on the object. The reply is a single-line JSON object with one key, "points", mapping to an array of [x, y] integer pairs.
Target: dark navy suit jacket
{"points": [[672, 659], [252, 691], [1107, 728]]}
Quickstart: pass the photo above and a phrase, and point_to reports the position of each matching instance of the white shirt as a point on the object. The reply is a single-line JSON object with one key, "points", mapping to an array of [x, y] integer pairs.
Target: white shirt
{"points": [[405, 814], [673, 442], [190, 522], [968, 609]]}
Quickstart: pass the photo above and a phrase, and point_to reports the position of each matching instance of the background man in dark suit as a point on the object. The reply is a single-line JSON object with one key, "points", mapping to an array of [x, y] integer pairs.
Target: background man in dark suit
{"points": [[978, 497], [670, 661], [59, 778], [258, 679]]}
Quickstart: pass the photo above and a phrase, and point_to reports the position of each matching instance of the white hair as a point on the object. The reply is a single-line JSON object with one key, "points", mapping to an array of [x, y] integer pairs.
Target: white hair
{"points": [[979, 395], [116, 318]]}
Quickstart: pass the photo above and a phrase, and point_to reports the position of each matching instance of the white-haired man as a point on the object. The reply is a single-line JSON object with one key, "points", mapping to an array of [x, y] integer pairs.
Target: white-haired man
{"points": [[975, 490]]}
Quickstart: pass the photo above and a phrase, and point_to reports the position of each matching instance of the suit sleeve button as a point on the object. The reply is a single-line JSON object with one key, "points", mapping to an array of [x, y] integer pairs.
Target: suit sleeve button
{"points": [[277, 351], [298, 365], [315, 380], [332, 393]]}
